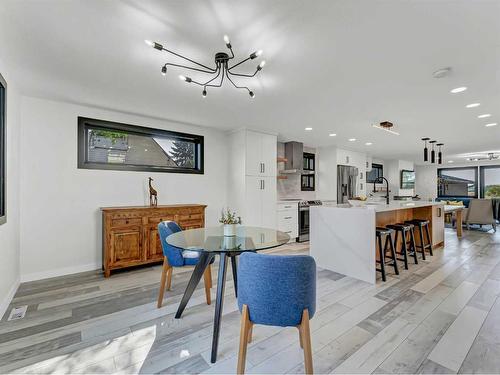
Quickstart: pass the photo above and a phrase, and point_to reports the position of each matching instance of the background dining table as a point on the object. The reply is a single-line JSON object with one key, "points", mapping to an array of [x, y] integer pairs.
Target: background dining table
{"points": [[211, 242]]}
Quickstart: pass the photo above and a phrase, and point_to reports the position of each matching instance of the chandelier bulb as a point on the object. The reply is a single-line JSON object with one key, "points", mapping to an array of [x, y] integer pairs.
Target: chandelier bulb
{"points": [[164, 70], [186, 79], [252, 95], [261, 65], [204, 93], [155, 45], [256, 54], [227, 41]]}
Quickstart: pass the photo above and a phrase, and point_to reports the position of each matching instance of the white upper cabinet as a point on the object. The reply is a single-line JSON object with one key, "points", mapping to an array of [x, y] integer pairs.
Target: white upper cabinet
{"points": [[369, 161], [261, 151]]}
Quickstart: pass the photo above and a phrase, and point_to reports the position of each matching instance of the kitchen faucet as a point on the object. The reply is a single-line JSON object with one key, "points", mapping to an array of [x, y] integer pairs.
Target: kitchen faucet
{"points": [[386, 185]]}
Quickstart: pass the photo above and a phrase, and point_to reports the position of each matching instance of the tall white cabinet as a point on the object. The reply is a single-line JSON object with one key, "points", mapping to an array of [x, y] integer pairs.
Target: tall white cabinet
{"points": [[252, 177]]}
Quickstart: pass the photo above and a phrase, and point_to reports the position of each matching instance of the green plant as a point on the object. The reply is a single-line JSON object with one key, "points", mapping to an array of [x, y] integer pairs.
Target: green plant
{"points": [[229, 217]]}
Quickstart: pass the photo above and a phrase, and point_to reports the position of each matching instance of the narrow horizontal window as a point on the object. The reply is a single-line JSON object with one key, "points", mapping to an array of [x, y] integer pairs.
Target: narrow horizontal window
{"points": [[116, 146]]}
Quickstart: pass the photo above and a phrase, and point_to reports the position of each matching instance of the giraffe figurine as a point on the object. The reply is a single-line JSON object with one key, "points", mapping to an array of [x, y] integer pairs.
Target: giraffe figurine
{"points": [[153, 195]]}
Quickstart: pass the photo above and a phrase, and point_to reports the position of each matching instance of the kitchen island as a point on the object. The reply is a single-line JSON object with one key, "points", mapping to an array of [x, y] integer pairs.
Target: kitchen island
{"points": [[342, 237]]}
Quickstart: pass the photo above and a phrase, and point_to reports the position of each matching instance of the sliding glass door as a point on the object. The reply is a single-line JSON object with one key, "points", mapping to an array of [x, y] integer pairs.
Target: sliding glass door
{"points": [[490, 181]]}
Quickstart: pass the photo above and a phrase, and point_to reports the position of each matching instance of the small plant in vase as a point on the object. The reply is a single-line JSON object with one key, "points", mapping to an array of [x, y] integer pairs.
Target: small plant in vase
{"points": [[229, 219]]}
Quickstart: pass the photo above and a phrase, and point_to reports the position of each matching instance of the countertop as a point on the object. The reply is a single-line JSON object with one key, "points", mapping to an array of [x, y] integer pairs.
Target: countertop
{"points": [[382, 206]]}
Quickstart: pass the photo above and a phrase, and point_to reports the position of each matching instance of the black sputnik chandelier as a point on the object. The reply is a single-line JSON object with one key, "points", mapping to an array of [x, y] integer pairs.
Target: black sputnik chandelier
{"points": [[222, 69]]}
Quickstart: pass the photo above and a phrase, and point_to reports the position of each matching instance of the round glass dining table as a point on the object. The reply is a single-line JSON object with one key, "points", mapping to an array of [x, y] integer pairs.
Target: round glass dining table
{"points": [[211, 242]]}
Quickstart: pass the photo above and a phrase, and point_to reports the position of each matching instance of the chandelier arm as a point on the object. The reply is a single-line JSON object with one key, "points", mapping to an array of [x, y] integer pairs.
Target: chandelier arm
{"points": [[241, 62], [188, 59], [207, 85], [243, 75], [218, 74], [188, 67], [238, 87], [232, 53]]}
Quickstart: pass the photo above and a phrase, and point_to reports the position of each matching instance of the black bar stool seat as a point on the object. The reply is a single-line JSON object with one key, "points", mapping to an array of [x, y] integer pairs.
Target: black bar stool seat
{"points": [[422, 224], [386, 233], [407, 245]]}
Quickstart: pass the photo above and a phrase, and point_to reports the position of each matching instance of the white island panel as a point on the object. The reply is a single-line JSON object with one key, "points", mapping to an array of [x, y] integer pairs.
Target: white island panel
{"points": [[342, 239]]}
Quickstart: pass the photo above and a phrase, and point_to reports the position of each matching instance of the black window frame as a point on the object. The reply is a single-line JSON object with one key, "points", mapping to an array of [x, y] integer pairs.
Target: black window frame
{"points": [[378, 167], [482, 168], [476, 182], [3, 151], [85, 123], [309, 165]]}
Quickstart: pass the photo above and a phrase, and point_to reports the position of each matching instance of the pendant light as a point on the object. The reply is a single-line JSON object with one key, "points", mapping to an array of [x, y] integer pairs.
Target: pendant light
{"points": [[433, 153], [426, 151], [440, 154]]}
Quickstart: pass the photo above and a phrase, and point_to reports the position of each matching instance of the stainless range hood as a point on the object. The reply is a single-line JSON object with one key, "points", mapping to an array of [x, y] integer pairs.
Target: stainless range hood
{"points": [[294, 154]]}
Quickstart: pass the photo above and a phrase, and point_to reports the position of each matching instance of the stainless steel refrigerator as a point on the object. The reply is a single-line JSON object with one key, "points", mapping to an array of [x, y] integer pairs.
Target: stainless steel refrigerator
{"points": [[347, 186]]}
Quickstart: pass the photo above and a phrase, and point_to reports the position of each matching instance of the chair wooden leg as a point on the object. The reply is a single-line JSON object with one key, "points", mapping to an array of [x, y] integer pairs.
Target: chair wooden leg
{"points": [[206, 276], [246, 325], [210, 274], [169, 278], [166, 268], [306, 342]]}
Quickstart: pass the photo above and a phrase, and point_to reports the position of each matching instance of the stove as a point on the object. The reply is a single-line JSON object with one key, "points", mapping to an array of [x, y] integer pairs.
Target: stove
{"points": [[304, 218], [310, 203]]}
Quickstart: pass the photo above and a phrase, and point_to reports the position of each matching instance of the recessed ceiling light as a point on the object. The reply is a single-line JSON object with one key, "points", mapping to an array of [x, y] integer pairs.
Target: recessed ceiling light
{"points": [[484, 116], [368, 144], [308, 129], [450, 161], [332, 135], [458, 89], [473, 105], [491, 124], [352, 139]]}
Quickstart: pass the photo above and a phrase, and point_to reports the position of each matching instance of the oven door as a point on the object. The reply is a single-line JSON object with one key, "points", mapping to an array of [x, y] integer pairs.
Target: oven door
{"points": [[304, 224]]}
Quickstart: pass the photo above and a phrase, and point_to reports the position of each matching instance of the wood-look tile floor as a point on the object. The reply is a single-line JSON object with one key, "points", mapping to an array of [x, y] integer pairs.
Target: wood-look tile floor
{"points": [[441, 316]]}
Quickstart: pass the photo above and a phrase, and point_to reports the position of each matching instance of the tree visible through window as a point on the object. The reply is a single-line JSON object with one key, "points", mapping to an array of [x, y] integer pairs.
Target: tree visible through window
{"points": [[107, 145], [490, 181]]}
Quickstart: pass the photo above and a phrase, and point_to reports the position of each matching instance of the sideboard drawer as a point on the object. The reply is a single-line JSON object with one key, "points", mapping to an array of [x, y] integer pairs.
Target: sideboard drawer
{"points": [[125, 222], [159, 219]]}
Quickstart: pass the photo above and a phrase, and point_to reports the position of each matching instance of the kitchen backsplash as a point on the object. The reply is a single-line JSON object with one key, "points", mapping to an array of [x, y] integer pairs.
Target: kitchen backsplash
{"points": [[290, 188]]}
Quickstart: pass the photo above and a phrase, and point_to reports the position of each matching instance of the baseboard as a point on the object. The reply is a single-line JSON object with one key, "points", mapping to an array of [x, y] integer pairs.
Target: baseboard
{"points": [[8, 298], [59, 272]]}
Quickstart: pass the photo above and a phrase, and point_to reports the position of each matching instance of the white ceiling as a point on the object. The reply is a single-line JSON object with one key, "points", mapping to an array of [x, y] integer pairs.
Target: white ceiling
{"points": [[336, 66]]}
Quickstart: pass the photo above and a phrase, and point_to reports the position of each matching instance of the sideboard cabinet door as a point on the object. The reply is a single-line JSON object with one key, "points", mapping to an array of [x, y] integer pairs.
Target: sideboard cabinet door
{"points": [[155, 250], [125, 246]]}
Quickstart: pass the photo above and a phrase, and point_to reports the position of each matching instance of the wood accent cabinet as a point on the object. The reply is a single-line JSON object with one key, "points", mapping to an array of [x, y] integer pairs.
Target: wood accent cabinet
{"points": [[130, 234]]}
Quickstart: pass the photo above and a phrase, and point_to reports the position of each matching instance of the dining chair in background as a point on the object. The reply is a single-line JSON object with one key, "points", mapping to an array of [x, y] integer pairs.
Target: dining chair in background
{"points": [[175, 257], [279, 291], [480, 212]]}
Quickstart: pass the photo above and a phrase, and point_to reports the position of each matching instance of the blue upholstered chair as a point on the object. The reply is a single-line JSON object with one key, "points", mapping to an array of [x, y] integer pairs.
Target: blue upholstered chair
{"points": [[278, 291], [175, 257]]}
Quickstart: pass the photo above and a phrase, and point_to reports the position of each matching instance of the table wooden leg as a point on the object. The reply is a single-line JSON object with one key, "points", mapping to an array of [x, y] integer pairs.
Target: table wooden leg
{"points": [[459, 223]]}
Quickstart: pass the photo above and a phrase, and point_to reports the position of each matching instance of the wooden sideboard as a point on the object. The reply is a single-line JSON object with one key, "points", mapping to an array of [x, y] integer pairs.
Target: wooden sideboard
{"points": [[130, 234]]}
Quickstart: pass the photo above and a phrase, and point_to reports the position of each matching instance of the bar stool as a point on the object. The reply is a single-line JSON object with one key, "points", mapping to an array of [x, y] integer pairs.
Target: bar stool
{"points": [[407, 246], [386, 233], [422, 224]]}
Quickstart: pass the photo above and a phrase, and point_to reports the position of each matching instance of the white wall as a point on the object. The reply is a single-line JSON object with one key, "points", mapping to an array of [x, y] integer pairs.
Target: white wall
{"points": [[60, 217], [426, 181], [9, 232], [326, 175]]}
